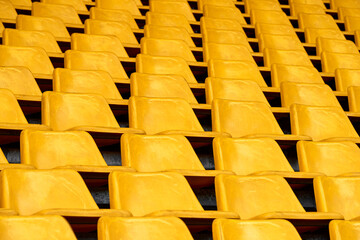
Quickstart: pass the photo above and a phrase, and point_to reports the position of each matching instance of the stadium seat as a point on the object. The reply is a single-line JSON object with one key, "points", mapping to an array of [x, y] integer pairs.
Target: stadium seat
{"points": [[262, 197], [129, 5], [354, 98], [271, 17], [57, 192], [335, 4], [279, 42], [111, 228], [98, 43], [290, 57], [261, 5], [66, 13], [213, 11], [335, 46], [82, 112], [172, 7], [34, 58], [331, 61], [221, 3], [166, 32], [352, 23], [53, 25], [322, 123], [231, 89], [307, 20], [220, 23], [296, 8], [226, 229], [344, 12], [35, 227], [274, 29], [105, 61], [166, 48], [311, 34], [235, 70], [113, 15], [82, 81], [164, 66], [314, 2], [79, 5], [168, 20], [157, 195], [165, 86], [330, 158], [314, 94], [338, 194], [7, 11], [22, 38], [21, 3], [345, 78], [223, 51], [341, 230], [121, 30], [292, 73]]}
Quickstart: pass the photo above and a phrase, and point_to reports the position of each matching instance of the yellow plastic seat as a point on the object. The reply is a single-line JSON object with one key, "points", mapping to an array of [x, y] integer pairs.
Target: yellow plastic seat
{"points": [[342, 230], [262, 197], [221, 3], [7, 11], [57, 192], [235, 70], [157, 195], [321, 123], [279, 42], [121, 30], [230, 229], [338, 194], [268, 16], [223, 51], [66, 13], [231, 89], [34, 58], [311, 34], [226, 37], [21, 3], [314, 94], [354, 98], [292, 73], [22, 38], [166, 32], [164, 66], [344, 12], [220, 24], [53, 25], [213, 11], [330, 158], [20, 81], [80, 81], [269, 5], [307, 20], [172, 7], [104, 61], [312, 2], [98, 43], [345, 78], [274, 29], [331, 61], [296, 8], [290, 57], [110, 228], [335, 4], [352, 23], [35, 227], [82, 112], [113, 15], [335, 45], [166, 48], [129, 5], [168, 20], [165, 86], [79, 5]]}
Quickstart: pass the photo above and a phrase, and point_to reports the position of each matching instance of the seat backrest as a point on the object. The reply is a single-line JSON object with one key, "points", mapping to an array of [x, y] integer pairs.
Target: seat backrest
{"points": [[221, 3], [7, 10], [345, 78], [158, 153], [142, 228], [290, 57], [164, 66], [223, 51], [280, 42], [314, 2], [151, 192], [170, 114], [352, 23], [335, 45], [342, 230], [66, 13], [111, 15], [243, 118], [261, 5], [344, 12], [167, 32], [274, 29], [251, 196], [10, 108], [220, 23], [35, 227], [246, 156], [320, 123], [269, 16], [338, 195], [79, 5], [63, 111], [308, 20], [296, 8], [275, 229], [31, 191], [311, 34], [235, 70], [172, 7], [331, 61], [330, 158], [214, 11], [168, 20], [166, 86], [129, 5], [104, 61]]}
